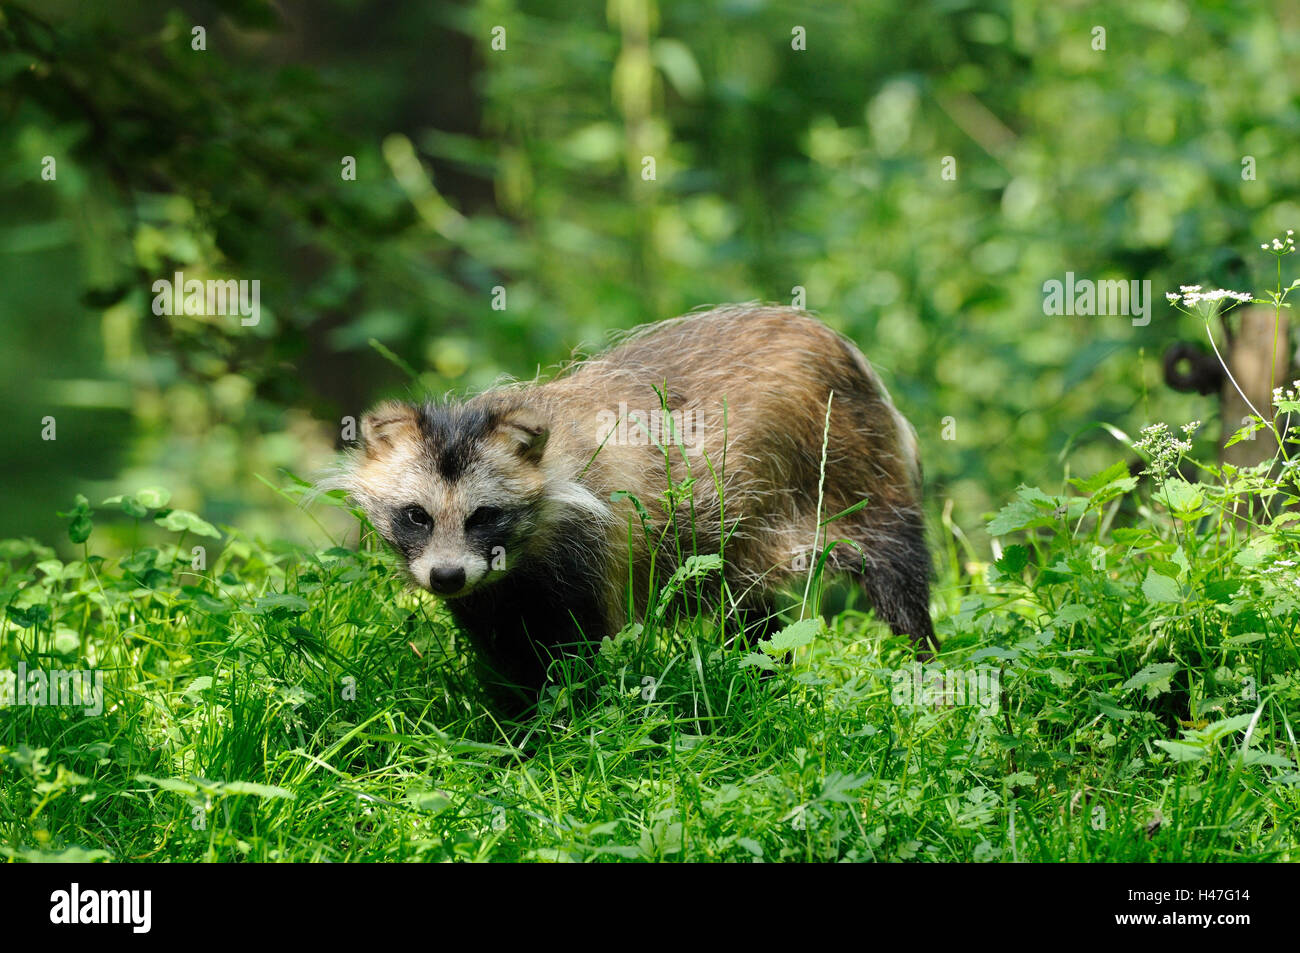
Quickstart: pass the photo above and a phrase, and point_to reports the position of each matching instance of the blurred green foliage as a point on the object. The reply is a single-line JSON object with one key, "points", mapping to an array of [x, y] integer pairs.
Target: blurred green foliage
{"points": [[522, 168]]}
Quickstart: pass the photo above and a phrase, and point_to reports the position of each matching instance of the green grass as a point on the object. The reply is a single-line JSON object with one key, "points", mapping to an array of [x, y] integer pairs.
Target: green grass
{"points": [[290, 705]]}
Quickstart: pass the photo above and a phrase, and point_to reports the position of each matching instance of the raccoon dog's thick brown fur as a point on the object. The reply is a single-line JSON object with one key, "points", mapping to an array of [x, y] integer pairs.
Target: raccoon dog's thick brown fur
{"points": [[503, 503]]}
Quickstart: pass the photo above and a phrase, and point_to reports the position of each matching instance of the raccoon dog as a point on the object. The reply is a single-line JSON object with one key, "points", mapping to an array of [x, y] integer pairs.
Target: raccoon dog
{"points": [[516, 505]]}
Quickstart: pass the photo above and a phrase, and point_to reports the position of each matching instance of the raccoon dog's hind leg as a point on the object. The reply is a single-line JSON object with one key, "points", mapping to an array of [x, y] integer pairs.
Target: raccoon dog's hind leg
{"points": [[894, 570]]}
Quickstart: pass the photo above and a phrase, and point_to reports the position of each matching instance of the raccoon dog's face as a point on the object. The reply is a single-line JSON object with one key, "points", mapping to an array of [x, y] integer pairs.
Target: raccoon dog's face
{"points": [[457, 489]]}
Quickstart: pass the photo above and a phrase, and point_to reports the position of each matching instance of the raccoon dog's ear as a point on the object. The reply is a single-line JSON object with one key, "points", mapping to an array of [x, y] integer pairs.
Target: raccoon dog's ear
{"points": [[386, 425], [527, 432]]}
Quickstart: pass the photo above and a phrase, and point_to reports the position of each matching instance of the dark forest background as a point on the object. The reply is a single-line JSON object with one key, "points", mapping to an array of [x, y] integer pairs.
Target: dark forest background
{"points": [[775, 168]]}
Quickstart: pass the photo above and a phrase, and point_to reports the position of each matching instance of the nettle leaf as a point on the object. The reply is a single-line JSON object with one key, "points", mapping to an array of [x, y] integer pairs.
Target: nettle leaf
{"points": [[1166, 568], [1154, 678], [1031, 508], [183, 521], [1110, 708], [68, 855], [839, 787], [1160, 588], [198, 685], [997, 652], [1266, 759], [1132, 535], [1014, 560], [757, 660], [1112, 491], [1246, 638], [66, 640], [1116, 471], [1219, 729], [1071, 613], [792, 637], [1181, 751], [1105, 486]]}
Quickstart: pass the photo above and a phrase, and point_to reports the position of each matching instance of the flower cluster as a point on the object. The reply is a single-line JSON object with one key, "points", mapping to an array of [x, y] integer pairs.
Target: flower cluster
{"points": [[1281, 246], [1287, 401], [1165, 449], [1192, 295], [1290, 393]]}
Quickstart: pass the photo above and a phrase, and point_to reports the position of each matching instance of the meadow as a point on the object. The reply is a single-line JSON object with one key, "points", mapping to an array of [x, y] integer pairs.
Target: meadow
{"points": [[395, 200], [1120, 684]]}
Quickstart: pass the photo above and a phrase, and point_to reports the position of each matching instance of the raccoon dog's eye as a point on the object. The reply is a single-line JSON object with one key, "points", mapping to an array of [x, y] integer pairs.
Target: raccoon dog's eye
{"points": [[483, 516], [416, 516]]}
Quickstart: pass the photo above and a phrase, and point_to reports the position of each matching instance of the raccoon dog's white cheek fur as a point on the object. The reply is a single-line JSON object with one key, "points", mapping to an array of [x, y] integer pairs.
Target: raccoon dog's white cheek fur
{"points": [[572, 495]]}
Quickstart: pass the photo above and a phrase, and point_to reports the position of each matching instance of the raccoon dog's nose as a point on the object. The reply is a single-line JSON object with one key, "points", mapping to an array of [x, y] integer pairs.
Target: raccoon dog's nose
{"points": [[446, 581]]}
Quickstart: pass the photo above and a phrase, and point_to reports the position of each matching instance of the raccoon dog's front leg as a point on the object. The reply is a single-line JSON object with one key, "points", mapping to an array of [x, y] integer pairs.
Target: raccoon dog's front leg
{"points": [[520, 625]]}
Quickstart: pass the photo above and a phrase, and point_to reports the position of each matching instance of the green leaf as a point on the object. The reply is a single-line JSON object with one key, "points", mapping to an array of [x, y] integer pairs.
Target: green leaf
{"points": [[1181, 751], [127, 504], [839, 787], [1185, 500], [154, 497], [1221, 728], [1108, 707], [170, 784], [141, 561], [757, 660], [1033, 508], [1255, 552], [80, 528], [1071, 613], [1160, 588], [1245, 431], [256, 790], [280, 601], [1114, 472], [198, 685], [1014, 559], [68, 855], [183, 521], [1266, 758], [1154, 678], [793, 636], [434, 802]]}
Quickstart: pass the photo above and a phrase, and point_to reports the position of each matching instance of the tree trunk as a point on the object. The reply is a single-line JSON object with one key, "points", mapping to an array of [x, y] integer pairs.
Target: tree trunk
{"points": [[1261, 343]]}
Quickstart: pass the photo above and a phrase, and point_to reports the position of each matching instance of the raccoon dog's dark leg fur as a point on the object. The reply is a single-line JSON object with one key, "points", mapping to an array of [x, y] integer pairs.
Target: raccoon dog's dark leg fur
{"points": [[756, 621], [896, 578], [538, 614]]}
